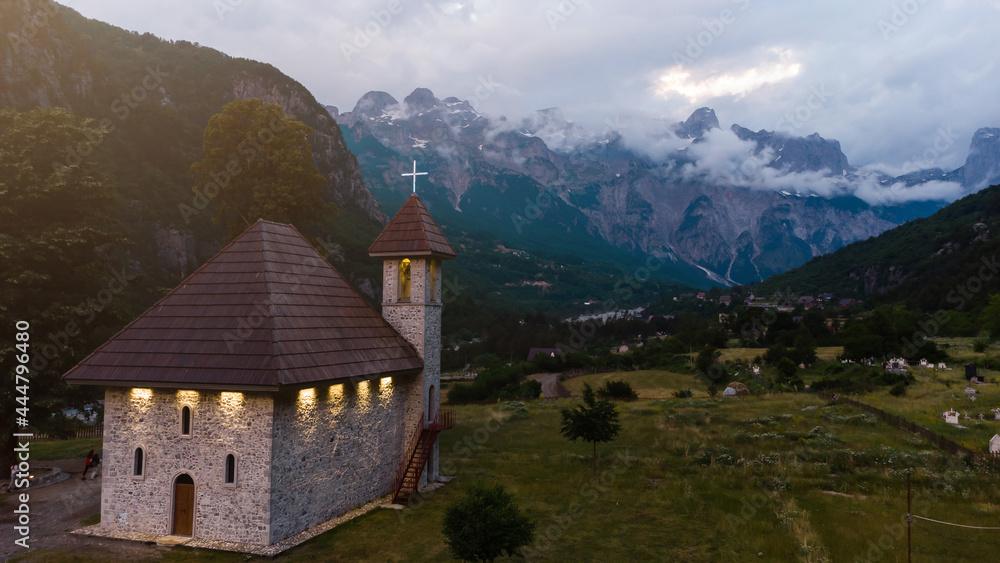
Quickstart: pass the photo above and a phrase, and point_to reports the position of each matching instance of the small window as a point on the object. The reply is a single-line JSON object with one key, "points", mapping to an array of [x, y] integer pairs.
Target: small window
{"points": [[434, 279], [139, 463], [230, 478], [186, 421], [404, 279]]}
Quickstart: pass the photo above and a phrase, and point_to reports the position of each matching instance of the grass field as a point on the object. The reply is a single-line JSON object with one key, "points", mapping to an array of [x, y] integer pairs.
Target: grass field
{"points": [[783, 478], [47, 450], [748, 354], [649, 384]]}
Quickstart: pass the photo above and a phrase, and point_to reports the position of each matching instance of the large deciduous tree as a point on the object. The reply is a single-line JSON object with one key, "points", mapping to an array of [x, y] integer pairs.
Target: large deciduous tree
{"points": [[593, 421], [58, 266], [258, 164]]}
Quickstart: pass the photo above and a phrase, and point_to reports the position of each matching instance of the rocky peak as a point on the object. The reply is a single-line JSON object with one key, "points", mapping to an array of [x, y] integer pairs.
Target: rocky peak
{"points": [[699, 123], [982, 166], [373, 103], [797, 154], [421, 100]]}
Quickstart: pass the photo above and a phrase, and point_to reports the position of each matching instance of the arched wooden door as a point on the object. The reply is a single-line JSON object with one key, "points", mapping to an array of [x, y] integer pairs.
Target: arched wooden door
{"points": [[183, 505]]}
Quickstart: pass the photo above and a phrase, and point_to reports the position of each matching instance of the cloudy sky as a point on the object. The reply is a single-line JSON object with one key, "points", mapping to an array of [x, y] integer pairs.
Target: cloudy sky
{"points": [[899, 83]]}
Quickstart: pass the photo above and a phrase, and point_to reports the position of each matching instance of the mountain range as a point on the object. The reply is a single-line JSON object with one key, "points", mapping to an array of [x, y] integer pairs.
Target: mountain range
{"points": [[544, 211], [738, 205]]}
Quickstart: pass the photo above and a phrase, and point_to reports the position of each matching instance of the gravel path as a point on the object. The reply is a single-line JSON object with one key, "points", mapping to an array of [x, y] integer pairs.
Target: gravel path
{"points": [[551, 388], [58, 509]]}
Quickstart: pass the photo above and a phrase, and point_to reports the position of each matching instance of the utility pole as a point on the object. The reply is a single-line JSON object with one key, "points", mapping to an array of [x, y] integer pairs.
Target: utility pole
{"points": [[909, 552]]}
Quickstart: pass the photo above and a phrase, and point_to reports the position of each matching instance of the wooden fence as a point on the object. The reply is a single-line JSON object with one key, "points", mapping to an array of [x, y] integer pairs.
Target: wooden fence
{"points": [[946, 444], [92, 431]]}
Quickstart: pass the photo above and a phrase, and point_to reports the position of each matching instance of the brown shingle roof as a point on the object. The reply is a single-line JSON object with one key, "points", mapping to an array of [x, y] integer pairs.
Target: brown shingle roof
{"points": [[266, 311], [412, 232]]}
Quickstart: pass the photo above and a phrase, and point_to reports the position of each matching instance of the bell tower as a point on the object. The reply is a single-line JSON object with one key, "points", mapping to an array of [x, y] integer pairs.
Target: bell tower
{"points": [[412, 248]]}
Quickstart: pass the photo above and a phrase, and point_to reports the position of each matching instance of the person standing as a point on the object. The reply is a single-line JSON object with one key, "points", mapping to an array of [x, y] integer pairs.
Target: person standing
{"points": [[86, 464], [95, 463]]}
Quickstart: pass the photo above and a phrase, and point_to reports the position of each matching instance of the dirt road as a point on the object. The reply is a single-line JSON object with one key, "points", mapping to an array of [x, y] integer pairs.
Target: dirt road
{"points": [[551, 388]]}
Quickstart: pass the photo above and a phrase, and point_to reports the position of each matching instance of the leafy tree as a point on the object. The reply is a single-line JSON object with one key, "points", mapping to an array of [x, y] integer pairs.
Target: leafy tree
{"points": [[57, 258], [258, 164], [787, 371], [804, 351], [775, 353], [707, 356], [594, 421], [485, 524]]}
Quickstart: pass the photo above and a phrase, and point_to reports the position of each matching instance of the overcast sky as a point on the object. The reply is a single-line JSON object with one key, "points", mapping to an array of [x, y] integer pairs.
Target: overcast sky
{"points": [[895, 81]]}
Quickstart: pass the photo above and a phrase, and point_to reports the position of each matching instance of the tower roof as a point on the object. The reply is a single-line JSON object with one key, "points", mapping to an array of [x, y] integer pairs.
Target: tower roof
{"points": [[266, 311], [412, 232]]}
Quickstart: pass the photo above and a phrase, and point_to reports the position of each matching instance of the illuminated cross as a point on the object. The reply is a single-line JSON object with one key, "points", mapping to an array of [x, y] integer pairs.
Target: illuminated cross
{"points": [[415, 174]]}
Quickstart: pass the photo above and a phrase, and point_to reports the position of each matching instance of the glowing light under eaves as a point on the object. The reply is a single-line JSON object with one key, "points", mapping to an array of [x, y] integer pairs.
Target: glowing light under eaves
{"points": [[231, 402], [307, 398]]}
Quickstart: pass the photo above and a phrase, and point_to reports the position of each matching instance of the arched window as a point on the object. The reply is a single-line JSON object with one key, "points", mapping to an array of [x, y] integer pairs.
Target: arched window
{"points": [[230, 478], [186, 421], [404, 279], [138, 463], [434, 280]]}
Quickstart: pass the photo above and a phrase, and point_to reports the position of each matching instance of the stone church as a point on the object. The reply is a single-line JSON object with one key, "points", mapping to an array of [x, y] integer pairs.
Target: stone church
{"points": [[263, 395]]}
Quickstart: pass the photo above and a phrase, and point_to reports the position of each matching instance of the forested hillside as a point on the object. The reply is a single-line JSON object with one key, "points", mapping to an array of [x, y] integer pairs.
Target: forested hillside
{"points": [[945, 261]]}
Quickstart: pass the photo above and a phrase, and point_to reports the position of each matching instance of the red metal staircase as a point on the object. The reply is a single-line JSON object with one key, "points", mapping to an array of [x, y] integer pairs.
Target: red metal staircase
{"points": [[419, 448]]}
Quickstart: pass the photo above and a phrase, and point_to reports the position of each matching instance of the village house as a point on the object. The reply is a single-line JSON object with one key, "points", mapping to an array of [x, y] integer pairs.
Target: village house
{"points": [[263, 395]]}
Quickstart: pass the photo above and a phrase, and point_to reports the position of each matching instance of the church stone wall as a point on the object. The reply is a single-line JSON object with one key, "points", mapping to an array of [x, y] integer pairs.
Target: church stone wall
{"points": [[221, 423], [336, 447]]}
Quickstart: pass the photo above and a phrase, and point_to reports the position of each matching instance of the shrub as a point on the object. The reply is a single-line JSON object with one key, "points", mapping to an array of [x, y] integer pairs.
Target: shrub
{"points": [[683, 394], [617, 389], [898, 390], [485, 524], [980, 344]]}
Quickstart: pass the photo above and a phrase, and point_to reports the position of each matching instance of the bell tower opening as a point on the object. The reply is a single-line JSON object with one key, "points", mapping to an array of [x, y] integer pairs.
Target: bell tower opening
{"points": [[404, 280]]}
